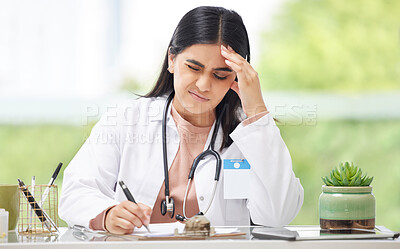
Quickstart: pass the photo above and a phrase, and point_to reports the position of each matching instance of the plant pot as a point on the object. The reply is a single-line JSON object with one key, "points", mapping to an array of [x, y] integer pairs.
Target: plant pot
{"points": [[347, 207], [9, 200]]}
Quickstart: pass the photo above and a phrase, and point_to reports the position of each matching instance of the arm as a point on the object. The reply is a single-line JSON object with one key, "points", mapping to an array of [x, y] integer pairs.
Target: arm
{"points": [[89, 185], [89, 180], [276, 195]]}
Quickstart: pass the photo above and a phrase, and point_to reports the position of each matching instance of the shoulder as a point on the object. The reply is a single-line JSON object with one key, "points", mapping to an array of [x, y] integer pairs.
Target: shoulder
{"points": [[134, 111], [140, 103]]}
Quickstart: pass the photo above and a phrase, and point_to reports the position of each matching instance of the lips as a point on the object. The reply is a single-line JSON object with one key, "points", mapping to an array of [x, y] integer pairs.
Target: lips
{"points": [[197, 96]]}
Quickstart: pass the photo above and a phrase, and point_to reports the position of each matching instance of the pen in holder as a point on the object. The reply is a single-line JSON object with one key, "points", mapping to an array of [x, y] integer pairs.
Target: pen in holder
{"points": [[45, 212]]}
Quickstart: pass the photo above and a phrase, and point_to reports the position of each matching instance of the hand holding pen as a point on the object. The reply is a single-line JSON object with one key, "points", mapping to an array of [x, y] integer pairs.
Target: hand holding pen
{"points": [[123, 218], [129, 197]]}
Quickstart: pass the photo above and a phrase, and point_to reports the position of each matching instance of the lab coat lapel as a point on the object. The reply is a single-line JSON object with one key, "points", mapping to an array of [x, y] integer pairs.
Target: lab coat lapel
{"points": [[217, 145], [172, 138], [172, 132], [205, 172]]}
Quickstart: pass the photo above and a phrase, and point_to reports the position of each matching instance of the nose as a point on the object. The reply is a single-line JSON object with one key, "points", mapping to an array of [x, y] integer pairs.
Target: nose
{"points": [[204, 83]]}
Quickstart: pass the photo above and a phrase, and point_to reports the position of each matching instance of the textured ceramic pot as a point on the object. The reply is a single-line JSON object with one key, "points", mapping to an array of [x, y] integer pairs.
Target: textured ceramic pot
{"points": [[347, 207]]}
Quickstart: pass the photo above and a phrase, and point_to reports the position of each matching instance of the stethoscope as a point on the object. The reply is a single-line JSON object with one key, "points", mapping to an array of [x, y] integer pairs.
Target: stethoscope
{"points": [[168, 204]]}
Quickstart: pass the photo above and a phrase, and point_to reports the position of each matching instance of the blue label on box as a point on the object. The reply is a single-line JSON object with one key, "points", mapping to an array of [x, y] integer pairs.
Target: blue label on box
{"points": [[236, 164]]}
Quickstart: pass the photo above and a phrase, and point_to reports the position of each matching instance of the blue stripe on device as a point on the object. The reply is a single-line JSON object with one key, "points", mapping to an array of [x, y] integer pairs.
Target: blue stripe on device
{"points": [[236, 164]]}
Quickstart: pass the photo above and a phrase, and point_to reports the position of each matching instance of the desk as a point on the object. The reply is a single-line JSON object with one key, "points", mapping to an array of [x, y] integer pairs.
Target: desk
{"points": [[66, 240]]}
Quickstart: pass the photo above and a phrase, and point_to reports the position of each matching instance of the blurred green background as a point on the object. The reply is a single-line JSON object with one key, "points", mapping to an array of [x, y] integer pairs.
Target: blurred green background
{"points": [[329, 45], [319, 46]]}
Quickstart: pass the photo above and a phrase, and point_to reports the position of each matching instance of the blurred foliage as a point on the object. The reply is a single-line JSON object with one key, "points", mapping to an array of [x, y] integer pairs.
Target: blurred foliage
{"points": [[315, 149], [333, 45], [372, 145], [36, 150]]}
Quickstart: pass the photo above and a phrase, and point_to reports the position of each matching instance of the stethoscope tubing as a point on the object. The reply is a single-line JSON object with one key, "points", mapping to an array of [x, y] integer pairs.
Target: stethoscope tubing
{"points": [[164, 142], [209, 203], [209, 152]]}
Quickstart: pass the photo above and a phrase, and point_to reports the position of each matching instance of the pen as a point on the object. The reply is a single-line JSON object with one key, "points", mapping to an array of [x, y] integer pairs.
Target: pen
{"points": [[36, 208], [130, 197], [51, 182], [31, 212], [51, 221]]}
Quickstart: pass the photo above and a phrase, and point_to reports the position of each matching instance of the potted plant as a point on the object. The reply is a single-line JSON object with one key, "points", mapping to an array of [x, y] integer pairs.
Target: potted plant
{"points": [[347, 200]]}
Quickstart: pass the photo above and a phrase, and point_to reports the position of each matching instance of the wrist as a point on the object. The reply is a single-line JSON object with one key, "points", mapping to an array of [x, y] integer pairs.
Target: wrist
{"points": [[251, 112], [107, 211]]}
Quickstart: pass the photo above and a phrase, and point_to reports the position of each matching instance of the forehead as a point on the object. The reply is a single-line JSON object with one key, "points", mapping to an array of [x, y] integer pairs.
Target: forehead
{"points": [[207, 54]]}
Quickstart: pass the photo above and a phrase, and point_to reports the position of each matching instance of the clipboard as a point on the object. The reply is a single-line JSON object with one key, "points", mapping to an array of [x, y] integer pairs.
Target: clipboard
{"points": [[131, 237], [174, 231], [162, 231], [237, 235]]}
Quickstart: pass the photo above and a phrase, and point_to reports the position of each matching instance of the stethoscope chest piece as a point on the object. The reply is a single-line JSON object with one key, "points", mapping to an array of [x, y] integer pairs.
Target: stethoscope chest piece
{"points": [[168, 207]]}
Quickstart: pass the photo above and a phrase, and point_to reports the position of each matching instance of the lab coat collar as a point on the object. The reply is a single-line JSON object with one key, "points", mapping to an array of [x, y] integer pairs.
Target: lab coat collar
{"points": [[218, 140], [159, 104]]}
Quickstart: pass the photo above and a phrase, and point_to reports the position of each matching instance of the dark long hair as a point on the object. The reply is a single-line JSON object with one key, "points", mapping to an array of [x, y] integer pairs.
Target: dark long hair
{"points": [[208, 25]]}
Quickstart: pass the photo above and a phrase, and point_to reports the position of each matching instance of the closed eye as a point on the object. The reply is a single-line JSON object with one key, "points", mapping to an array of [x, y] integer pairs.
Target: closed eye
{"points": [[219, 77], [193, 68]]}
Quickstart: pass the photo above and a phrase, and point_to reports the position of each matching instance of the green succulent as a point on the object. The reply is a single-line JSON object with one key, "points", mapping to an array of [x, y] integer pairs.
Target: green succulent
{"points": [[347, 174]]}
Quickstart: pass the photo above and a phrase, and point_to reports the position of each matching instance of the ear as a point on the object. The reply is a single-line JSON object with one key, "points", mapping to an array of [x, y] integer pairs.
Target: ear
{"points": [[171, 59]]}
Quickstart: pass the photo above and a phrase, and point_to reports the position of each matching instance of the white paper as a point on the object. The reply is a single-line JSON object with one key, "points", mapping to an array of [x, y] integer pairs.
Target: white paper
{"points": [[226, 230], [160, 229]]}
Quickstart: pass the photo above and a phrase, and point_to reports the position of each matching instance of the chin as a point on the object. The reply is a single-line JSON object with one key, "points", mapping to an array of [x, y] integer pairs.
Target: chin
{"points": [[199, 108]]}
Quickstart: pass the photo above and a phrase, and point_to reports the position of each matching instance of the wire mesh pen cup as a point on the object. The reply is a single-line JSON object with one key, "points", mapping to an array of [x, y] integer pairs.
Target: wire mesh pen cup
{"points": [[29, 221]]}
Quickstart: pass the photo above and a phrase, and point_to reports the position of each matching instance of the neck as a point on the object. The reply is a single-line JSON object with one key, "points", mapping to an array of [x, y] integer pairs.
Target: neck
{"points": [[197, 119]]}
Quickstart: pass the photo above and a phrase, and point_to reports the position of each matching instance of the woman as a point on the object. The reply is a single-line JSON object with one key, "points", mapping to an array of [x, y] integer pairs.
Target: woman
{"points": [[211, 85]]}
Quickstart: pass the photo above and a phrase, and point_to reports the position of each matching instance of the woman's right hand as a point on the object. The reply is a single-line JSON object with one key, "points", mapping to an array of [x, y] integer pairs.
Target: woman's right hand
{"points": [[124, 217]]}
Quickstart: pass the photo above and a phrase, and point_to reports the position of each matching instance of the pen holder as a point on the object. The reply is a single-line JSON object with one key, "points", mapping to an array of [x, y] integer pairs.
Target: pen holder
{"points": [[29, 221]]}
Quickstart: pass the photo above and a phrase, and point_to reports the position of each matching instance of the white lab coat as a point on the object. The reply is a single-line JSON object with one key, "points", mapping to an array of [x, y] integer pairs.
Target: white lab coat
{"points": [[126, 144]]}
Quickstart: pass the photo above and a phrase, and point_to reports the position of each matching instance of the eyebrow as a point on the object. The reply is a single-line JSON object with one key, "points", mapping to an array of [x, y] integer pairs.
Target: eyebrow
{"points": [[225, 69]]}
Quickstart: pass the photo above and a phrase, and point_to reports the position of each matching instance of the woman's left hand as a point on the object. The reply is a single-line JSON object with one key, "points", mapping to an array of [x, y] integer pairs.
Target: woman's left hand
{"points": [[248, 84]]}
